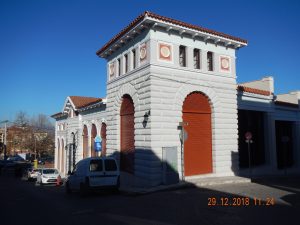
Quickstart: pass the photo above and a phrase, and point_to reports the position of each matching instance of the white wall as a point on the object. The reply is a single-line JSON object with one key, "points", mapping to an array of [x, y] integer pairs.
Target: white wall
{"points": [[162, 87]]}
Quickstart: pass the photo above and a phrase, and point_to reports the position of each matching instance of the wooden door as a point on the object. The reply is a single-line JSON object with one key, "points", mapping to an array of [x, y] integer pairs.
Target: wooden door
{"points": [[198, 145], [127, 134]]}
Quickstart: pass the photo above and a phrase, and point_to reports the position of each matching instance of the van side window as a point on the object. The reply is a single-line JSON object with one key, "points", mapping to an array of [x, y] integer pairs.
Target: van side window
{"points": [[96, 165], [110, 165]]}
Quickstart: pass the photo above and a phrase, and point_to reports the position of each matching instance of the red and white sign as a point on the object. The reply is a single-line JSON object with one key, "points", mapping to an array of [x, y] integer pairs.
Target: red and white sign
{"points": [[248, 135]]}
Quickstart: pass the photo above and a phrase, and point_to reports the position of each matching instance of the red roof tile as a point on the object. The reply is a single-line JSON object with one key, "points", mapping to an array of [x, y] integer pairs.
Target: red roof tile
{"points": [[253, 90], [169, 20], [81, 102]]}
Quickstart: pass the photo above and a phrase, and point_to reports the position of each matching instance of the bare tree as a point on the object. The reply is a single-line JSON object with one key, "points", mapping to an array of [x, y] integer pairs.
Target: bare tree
{"points": [[21, 119], [41, 121], [34, 134]]}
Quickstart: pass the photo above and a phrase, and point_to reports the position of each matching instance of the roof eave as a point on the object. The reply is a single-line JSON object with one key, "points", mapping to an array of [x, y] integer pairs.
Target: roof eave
{"points": [[147, 20], [91, 106], [105, 51]]}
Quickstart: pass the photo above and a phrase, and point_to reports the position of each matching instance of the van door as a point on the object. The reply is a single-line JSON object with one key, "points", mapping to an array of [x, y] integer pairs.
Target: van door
{"points": [[96, 173], [111, 172], [75, 178]]}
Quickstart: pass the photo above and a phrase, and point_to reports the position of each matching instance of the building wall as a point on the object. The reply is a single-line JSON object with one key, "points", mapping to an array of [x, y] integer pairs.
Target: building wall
{"points": [[75, 125], [272, 113], [161, 87], [95, 116]]}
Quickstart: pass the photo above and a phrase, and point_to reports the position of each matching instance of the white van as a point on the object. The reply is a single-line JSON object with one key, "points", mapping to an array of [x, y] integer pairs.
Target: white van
{"points": [[94, 173]]}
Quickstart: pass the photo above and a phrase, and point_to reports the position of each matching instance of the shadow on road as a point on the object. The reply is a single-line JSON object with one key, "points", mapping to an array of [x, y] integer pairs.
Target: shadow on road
{"points": [[222, 204]]}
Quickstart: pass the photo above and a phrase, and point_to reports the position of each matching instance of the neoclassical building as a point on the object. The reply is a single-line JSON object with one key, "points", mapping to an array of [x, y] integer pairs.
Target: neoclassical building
{"points": [[174, 110]]}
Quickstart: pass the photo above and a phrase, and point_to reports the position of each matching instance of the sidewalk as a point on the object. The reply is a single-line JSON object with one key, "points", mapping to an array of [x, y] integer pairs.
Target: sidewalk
{"points": [[190, 183]]}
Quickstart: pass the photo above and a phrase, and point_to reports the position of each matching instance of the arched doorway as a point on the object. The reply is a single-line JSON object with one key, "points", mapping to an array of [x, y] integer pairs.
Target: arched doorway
{"points": [[85, 142], [103, 137], [58, 154], [127, 134], [93, 135], [196, 115], [62, 169]]}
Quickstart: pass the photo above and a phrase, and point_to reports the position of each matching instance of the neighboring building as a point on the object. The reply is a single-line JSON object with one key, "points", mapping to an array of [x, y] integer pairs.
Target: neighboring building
{"points": [[2, 131], [81, 120], [16, 137], [173, 104], [274, 122], [2, 135]]}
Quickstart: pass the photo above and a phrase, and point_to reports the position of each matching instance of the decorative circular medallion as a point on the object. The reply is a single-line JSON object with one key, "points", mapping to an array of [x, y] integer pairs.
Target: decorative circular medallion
{"points": [[165, 51], [225, 63], [143, 52]]}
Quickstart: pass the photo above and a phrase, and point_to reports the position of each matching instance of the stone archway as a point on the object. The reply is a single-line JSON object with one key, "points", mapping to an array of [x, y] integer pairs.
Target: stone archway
{"points": [[196, 116], [62, 156], [58, 154], [103, 137], [85, 136], [93, 135], [127, 134]]}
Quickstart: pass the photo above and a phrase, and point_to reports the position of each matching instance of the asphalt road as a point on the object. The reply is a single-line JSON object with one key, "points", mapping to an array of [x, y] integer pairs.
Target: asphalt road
{"points": [[22, 202]]}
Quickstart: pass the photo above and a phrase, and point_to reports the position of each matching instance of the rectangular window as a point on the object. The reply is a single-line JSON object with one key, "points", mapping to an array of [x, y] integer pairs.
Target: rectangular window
{"points": [[119, 67], [196, 58], [182, 56], [126, 63], [210, 61], [110, 165], [133, 59], [96, 165]]}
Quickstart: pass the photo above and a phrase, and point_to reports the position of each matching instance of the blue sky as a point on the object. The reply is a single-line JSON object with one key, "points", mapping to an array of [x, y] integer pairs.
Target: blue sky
{"points": [[47, 47]]}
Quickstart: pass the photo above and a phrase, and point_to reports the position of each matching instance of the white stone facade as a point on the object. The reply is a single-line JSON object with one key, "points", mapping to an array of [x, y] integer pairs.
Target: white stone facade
{"points": [[161, 87], [149, 67], [67, 126]]}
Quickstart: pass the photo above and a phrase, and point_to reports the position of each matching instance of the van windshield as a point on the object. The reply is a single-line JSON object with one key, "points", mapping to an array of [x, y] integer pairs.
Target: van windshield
{"points": [[96, 165]]}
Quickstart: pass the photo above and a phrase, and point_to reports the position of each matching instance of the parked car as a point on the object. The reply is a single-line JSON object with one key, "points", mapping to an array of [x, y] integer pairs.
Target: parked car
{"points": [[47, 176], [32, 173], [93, 174]]}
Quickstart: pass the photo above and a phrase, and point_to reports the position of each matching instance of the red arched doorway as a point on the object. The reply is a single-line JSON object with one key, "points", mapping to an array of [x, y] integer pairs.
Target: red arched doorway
{"points": [[62, 168], [93, 135], [196, 114], [127, 134], [103, 137], [58, 154], [85, 141]]}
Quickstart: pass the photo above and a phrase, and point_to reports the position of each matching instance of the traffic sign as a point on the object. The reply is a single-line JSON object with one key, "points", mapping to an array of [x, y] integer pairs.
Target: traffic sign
{"points": [[248, 135], [183, 135], [98, 144]]}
